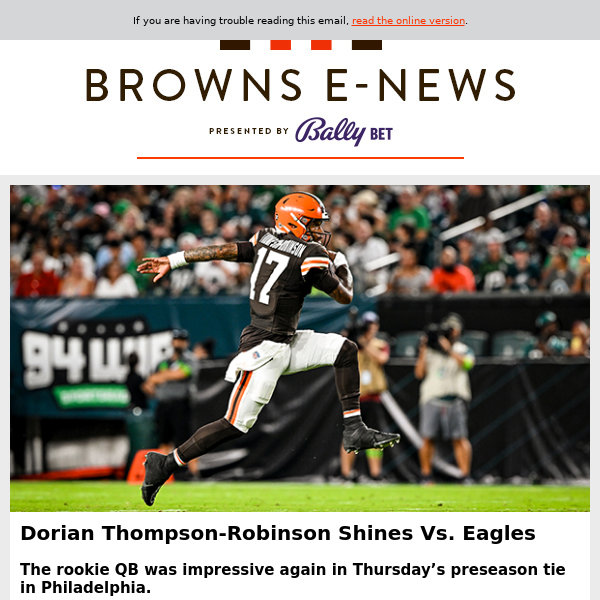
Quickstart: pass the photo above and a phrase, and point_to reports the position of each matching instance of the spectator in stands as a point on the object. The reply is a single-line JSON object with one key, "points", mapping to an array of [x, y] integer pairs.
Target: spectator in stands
{"points": [[409, 277], [566, 240], [438, 200], [76, 284], [411, 211], [365, 204], [582, 283], [337, 207], [79, 210], [170, 219], [548, 341], [161, 241], [71, 251], [537, 250], [559, 279], [114, 248], [405, 233], [450, 276], [580, 340], [90, 236], [466, 252], [190, 218], [238, 208], [229, 232], [481, 236], [114, 283], [522, 275], [544, 223], [579, 217], [38, 282], [491, 274], [210, 226], [51, 264], [473, 201], [241, 287], [365, 249], [54, 249], [183, 281], [131, 221], [140, 247], [18, 240], [15, 272]]}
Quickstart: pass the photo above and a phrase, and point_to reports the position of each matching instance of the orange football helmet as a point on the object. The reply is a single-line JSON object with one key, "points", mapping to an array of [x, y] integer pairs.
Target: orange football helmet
{"points": [[302, 215]]}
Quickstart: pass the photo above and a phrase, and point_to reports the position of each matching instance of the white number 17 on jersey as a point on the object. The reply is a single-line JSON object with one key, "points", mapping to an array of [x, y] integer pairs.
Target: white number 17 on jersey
{"points": [[268, 257]]}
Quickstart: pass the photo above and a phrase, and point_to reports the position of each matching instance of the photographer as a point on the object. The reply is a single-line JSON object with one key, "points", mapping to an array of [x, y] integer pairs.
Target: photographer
{"points": [[443, 366], [373, 354]]}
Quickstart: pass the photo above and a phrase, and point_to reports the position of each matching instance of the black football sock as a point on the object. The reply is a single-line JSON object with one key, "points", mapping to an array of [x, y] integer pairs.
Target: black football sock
{"points": [[206, 438], [347, 380], [351, 423]]}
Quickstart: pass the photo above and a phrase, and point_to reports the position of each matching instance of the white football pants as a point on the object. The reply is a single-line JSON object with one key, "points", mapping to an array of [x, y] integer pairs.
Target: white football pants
{"points": [[257, 371]]}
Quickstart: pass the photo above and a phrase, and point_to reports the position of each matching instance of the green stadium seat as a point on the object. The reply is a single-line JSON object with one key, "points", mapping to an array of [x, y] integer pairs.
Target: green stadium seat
{"points": [[512, 344], [407, 344], [477, 341]]}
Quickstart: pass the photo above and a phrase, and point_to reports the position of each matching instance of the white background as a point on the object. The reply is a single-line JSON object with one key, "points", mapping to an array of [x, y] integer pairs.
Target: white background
{"points": [[549, 127], [547, 134], [560, 538]]}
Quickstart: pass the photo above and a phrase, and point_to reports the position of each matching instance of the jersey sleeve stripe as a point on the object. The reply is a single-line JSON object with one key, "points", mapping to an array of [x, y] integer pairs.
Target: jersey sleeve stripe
{"points": [[316, 260], [306, 268], [254, 239], [309, 263], [315, 263]]}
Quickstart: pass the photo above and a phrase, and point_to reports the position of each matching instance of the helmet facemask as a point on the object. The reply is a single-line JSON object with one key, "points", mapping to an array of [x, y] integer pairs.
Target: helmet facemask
{"points": [[315, 231]]}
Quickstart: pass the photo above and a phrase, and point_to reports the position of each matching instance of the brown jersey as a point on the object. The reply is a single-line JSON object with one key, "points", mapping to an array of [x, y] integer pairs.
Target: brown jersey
{"points": [[285, 268]]}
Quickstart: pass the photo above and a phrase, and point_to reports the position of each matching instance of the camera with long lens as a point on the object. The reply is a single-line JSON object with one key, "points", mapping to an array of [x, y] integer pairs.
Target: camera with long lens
{"points": [[357, 326], [434, 332]]}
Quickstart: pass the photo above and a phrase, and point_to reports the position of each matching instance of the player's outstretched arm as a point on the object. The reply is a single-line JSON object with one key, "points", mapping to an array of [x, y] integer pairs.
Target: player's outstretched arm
{"points": [[204, 253], [163, 264]]}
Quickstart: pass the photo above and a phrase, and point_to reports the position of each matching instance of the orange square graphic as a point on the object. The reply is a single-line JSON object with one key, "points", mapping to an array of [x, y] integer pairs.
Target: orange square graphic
{"points": [[320, 44], [281, 44]]}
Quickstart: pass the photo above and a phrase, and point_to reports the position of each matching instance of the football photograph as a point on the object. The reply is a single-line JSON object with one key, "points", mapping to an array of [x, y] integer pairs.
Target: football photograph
{"points": [[299, 348]]}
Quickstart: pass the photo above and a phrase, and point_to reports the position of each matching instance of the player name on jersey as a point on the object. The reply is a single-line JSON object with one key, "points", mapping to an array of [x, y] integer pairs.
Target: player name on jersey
{"points": [[288, 246]]}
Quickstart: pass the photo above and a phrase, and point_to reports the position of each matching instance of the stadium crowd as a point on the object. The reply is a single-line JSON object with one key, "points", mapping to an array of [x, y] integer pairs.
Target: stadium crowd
{"points": [[79, 241]]}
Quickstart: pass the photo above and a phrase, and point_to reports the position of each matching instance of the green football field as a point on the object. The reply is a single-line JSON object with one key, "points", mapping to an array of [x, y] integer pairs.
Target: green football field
{"points": [[106, 496]]}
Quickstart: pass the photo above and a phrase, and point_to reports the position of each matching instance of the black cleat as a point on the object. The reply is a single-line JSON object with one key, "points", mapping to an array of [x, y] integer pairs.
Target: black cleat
{"points": [[156, 475], [363, 438]]}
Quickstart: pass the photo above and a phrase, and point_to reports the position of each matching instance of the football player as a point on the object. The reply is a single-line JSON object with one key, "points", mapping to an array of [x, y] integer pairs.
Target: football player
{"points": [[288, 260]]}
